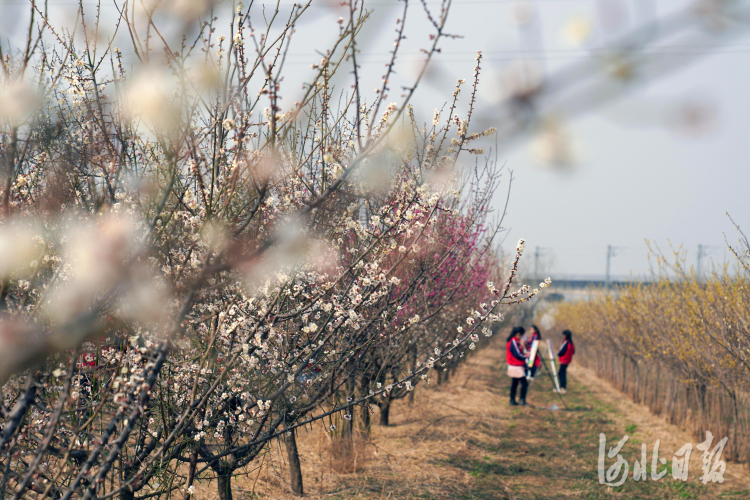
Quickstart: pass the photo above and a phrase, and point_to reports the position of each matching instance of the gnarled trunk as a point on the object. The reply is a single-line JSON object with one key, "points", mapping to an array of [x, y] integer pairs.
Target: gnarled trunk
{"points": [[385, 410], [364, 386], [365, 419], [127, 494], [224, 479], [295, 468]]}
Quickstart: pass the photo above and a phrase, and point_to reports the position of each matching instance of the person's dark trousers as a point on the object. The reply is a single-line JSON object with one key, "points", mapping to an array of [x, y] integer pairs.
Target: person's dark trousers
{"points": [[563, 377], [514, 388]]}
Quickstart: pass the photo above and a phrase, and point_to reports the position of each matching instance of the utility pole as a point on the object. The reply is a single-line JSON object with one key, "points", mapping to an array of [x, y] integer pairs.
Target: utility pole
{"points": [[703, 251], [611, 252], [539, 252]]}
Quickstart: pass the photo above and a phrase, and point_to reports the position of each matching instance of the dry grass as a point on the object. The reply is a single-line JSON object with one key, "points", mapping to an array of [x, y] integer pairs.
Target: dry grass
{"points": [[463, 440], [694, 407], [650, 427]]}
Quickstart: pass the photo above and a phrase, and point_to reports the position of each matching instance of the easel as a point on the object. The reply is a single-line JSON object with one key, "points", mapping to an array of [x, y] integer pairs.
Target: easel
{"points": [[551, 372]]}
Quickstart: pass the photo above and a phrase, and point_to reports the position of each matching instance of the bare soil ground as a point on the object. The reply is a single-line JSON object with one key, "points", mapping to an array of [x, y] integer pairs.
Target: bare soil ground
{"points": [[462, 440]]}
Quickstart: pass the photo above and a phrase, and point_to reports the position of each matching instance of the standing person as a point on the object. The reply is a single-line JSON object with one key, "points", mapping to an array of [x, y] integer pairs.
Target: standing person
{"points": [[565, 355], [516, 365], [534, 335]]}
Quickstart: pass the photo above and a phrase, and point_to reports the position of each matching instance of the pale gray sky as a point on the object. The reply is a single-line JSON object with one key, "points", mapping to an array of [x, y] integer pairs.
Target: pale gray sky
{"points": [[640, 172]]}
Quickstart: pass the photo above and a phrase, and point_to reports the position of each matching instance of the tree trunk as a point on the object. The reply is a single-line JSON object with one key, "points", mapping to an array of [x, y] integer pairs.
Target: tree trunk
{"points": [[126, 494], [295, 469], [704, 408], [365, 419], [224, 479], [736, 422], [669, 400], [348, 425], [413, 369], [385, 410], [637, 389], [347, 429], [364, 385]]}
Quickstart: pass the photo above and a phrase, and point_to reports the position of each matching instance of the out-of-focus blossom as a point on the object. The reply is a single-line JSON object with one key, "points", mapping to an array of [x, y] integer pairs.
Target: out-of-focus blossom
{"points": [[20, 345], [189, 10], [20, 245], [145, 299], [96, 256], [619, 67], [17, 102], [553, 145], [692, 117], [258, 167], [522, 14], [441, 179], [522, 78], [613, 15], [148, 100], [214, 235], [294, 252], [376, 172], [578, 30], [205, 76], [184, 10], [713, 13], [548, 319]]}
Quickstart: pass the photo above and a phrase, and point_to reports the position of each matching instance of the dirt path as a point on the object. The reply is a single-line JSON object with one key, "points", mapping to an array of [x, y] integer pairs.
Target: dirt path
{"points": [[462, 440]]}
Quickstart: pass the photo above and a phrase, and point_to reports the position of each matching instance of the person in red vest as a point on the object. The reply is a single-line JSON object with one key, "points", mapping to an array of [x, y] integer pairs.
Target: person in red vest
{"points": [[565, 355], [516, 365], [533, 335]]}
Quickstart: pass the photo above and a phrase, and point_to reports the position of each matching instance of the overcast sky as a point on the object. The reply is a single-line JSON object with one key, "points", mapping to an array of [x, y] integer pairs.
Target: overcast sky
{"points": [[663, 159], [662, 162]]}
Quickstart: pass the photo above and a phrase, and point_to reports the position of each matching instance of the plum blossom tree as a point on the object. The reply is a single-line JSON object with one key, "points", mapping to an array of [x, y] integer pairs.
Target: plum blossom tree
{"points": [[186, 277]]}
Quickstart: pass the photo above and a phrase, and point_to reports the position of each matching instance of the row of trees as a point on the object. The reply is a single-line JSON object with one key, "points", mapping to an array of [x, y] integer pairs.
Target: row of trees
{"points": [[187, 276], [680, 345]]}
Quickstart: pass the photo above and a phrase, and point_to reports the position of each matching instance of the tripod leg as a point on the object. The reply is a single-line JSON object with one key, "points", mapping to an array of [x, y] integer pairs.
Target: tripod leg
{"points": [[554, 369], [554, 382]]}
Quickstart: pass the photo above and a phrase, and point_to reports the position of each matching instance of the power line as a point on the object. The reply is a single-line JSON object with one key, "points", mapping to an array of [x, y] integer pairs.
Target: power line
{"points": [[545, 58], [582, 52]]}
